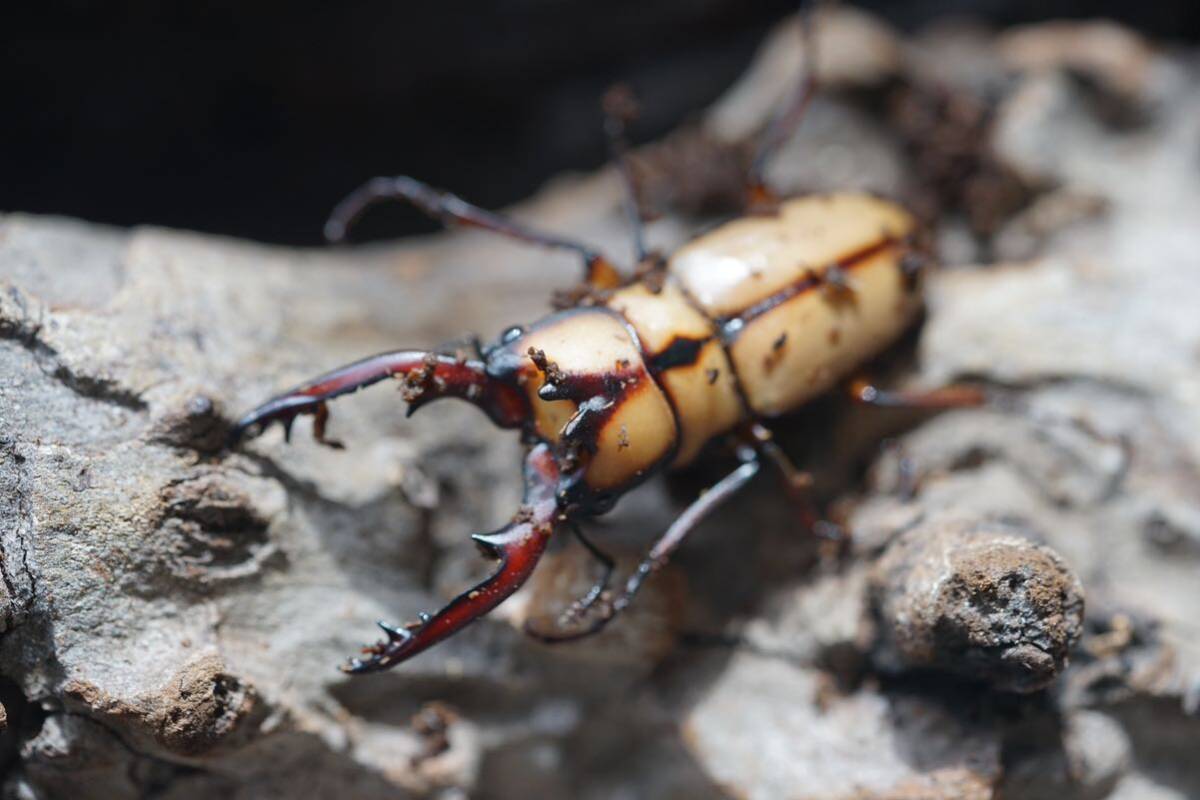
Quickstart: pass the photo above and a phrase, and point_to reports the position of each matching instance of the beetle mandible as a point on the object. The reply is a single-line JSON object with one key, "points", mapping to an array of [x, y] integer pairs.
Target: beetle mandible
{"points": [[744, 323]]}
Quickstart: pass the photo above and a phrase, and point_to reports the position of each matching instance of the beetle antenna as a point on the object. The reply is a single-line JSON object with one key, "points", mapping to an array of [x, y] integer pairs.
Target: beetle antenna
{"points": [[620, 109], [789, 117], [451, 209]]}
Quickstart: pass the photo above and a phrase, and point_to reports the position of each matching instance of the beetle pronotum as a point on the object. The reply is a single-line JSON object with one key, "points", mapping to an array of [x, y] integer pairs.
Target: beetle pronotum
{"points": [[746, 322]]}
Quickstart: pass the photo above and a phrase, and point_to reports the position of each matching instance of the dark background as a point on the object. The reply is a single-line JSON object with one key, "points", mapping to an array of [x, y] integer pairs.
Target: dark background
{"points": [[253, 119]]}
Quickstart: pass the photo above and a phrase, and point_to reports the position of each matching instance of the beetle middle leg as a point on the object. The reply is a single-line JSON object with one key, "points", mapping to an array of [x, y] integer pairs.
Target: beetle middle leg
{"points": [[797, 483], [667, 544]]}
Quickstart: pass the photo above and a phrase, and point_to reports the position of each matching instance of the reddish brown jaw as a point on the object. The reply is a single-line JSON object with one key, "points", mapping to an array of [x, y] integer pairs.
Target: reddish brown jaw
{"points": [[519, 545], [425, 376]]}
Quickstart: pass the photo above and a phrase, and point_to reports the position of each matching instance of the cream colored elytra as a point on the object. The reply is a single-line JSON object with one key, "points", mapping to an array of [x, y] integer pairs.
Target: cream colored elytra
{"points": [[752, 320]]}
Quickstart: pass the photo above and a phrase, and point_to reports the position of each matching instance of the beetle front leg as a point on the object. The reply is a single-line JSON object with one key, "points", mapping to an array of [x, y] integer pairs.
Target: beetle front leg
{"points": [[577, 609], [607, 566], [662, 550]]}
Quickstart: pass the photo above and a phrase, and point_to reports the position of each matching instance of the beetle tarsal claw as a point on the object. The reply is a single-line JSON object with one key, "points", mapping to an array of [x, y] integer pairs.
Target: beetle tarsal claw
{"points": [[600, 600], [577, 621]]}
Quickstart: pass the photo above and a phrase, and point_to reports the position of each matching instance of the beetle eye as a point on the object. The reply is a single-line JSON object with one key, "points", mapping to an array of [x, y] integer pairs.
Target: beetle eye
{"points": [[604, 502]]}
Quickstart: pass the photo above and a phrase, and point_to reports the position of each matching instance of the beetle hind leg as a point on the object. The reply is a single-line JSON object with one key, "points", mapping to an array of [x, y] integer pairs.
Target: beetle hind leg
{"points": [[863, 392]]}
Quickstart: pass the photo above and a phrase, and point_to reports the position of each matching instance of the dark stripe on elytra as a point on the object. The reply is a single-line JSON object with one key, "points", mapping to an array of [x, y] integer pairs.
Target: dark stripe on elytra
{"points": [[732, 325]]}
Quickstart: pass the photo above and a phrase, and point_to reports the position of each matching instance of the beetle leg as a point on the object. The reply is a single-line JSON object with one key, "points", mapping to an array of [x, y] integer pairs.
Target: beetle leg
{"points": [[425, 376], [960, 396], [797, 483], [576, 610], [607, 564], [518, 545], [620, 108], [451, 209], [781, 128], [865, 393], [670, 541]]}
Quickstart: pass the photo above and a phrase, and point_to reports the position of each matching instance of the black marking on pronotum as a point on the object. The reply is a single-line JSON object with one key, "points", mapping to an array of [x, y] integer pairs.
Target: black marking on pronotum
{"points": [[682, 351]]}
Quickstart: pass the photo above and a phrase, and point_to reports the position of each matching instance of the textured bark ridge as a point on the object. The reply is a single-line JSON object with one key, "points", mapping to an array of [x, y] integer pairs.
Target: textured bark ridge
{"points": [[1016, 613]]}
